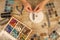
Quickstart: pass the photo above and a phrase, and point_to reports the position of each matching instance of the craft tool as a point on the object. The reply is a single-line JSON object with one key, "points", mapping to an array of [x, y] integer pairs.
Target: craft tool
{"points": [[20, 10], [33, 16]]}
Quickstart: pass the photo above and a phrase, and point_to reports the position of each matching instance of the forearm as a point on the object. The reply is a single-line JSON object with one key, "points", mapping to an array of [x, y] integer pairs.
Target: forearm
{"points": [[23, 1], [45, 2]]}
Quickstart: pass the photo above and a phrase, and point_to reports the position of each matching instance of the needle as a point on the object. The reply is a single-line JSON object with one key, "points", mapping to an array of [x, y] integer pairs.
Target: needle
{"points": [[33, 16], [4, 21]]}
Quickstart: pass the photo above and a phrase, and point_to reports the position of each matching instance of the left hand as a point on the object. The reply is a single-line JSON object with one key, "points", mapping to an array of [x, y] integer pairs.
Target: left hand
{"points": [[39, 7]]}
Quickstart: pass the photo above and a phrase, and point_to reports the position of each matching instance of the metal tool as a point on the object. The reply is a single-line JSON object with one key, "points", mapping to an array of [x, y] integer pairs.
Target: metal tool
{"points": [[21, 9], [33, 16]]}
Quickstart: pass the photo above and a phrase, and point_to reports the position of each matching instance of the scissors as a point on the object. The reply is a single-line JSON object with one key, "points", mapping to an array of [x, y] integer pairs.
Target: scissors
{"points": [[21, 10]]}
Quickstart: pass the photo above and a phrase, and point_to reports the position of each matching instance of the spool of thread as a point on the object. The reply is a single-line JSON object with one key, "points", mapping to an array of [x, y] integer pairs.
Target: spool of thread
{"points": [[4, 21], [5, 15], [8, 9], [8, 5]]}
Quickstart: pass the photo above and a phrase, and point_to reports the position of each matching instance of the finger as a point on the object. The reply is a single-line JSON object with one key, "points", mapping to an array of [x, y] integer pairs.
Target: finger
{"points": [[37, 8], [40, 9], [26, 9], [37, 11], [29, 8]]}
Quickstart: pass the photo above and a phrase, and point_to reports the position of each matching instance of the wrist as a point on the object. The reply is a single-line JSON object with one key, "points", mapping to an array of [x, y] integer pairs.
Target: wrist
{"points": [[24, 1], [45, 1]]}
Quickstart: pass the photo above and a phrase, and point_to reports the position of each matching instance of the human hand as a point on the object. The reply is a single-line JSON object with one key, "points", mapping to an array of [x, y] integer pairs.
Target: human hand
{"points": [[39, 7], [28, 7]]}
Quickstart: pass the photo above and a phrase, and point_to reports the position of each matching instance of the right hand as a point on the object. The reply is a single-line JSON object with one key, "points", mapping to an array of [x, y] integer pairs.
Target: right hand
{"points": [[27, 7]]}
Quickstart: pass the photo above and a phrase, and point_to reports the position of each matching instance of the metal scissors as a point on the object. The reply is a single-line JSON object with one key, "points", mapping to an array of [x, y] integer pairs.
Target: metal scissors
{"points": [[20, 9]]}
